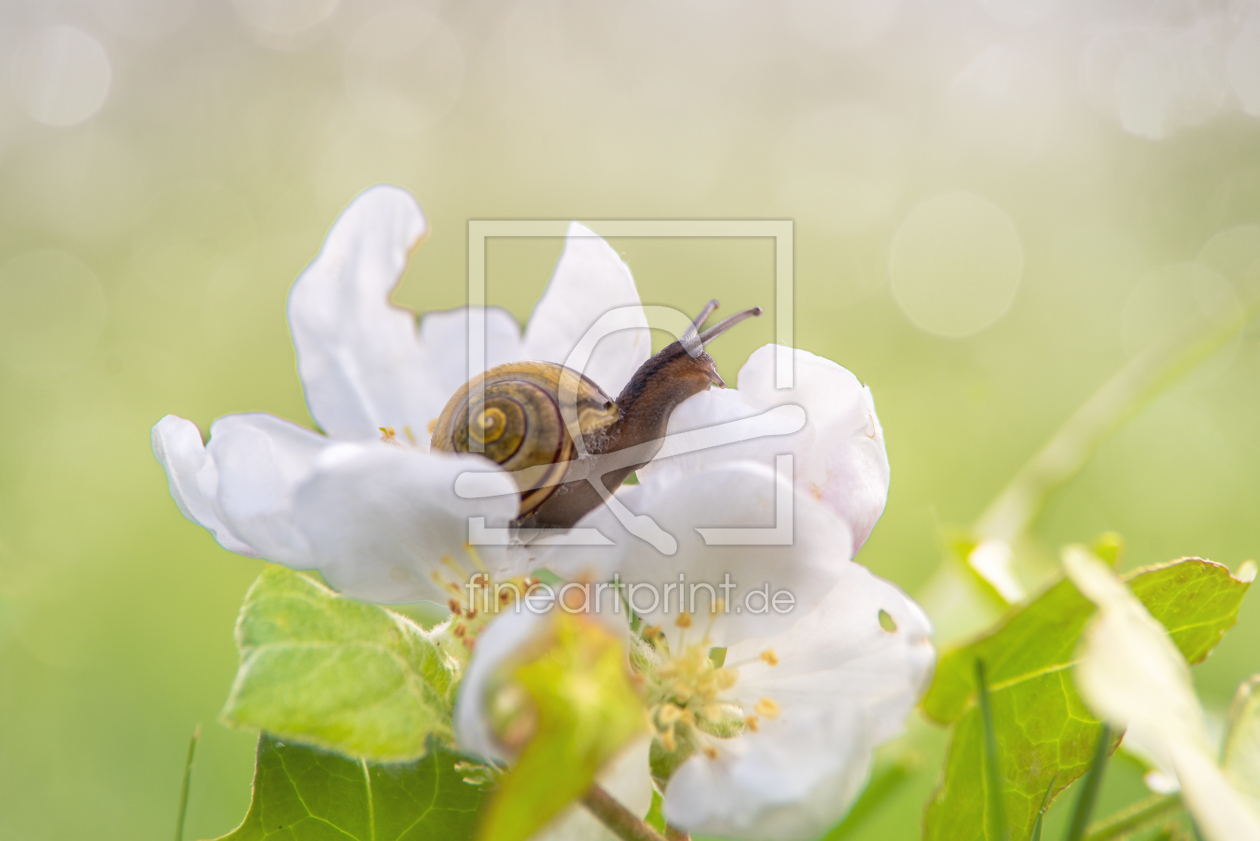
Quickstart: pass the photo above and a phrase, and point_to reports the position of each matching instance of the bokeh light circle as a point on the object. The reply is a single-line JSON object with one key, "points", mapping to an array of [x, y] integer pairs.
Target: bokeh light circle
{"points": [[61, 75], [284, 17], [955, 264], [52, 313], [403, 71]]}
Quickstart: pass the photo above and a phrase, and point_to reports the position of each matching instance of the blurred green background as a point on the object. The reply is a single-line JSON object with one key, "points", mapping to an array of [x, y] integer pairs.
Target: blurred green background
{"points": [[996, 205]]}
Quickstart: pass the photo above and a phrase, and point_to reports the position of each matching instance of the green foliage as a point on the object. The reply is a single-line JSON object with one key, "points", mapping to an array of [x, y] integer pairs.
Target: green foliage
{"points": [[304, 794], [885, 782], [339, 674], [1045, 730], [586, 710]]}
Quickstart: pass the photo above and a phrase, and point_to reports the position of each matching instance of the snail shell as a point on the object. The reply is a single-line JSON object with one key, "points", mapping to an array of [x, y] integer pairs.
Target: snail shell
{"points": [[517, 422]]}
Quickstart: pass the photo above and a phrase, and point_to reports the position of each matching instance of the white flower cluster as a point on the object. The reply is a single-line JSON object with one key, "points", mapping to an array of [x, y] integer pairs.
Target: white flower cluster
{"points": [[775, 740]]}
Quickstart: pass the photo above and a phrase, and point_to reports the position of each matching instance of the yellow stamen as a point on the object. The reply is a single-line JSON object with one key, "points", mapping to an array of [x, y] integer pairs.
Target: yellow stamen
{"points": [[770, 657], [669, 713], [683, 620], [767, 708], [476, 559], [710, 752], [726, 678]]}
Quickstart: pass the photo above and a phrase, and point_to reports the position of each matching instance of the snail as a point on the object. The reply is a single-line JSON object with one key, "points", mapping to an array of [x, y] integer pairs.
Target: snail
{"points": [[516, 420]]}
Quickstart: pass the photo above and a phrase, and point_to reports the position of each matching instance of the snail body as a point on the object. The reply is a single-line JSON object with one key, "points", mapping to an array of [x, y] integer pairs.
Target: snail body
{"points": [[513, 415]]}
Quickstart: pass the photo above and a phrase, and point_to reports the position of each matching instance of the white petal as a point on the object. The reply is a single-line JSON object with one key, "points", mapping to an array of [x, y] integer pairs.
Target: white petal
{"points": [[261, 461], [589, 281], [1131, 674], [379, 520], [500, 640], [844, 685], [357, 354], [444, 343], [839, 454], [193, 478], [376, 520], [789, 782], [1242, 743], [626, 778], [840, 656], [1220, 811], [733, 495]]}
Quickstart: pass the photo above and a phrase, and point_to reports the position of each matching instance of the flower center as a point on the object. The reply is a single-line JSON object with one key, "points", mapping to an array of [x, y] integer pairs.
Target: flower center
{"points": [[688, 699]]}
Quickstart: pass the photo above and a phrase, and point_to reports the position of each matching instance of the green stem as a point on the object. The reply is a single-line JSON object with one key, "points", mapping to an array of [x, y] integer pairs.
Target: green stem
{"points": [[620, 821], [1041, 811], [1089, 790], [1138, 816], [992, 773], [183, 791], [1135, 385]]}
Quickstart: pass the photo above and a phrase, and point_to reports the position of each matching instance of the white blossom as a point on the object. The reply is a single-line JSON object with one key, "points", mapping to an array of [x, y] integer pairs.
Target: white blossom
{"points": [[380, 518]]}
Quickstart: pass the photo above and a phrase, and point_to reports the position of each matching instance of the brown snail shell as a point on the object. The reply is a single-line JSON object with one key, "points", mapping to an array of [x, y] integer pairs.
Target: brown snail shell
{"points": [[517, 422]]}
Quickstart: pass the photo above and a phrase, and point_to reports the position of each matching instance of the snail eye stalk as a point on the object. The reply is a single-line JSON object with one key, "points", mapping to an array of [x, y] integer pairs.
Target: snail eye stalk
{"points": [[726, 324]]}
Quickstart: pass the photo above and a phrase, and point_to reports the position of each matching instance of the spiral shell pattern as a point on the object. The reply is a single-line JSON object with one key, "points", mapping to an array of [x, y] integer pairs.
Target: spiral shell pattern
{"points": [[511, 415]]}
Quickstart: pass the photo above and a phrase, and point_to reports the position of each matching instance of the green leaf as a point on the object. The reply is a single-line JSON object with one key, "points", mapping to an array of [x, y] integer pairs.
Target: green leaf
{"points": [[585, 710], [1043, 726], [339, 674], [884, 783], [304, 794]]}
